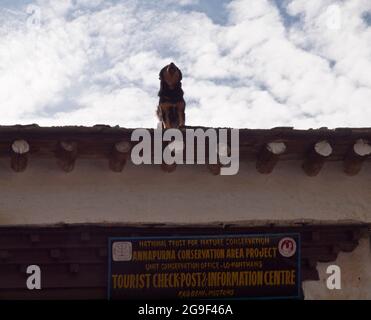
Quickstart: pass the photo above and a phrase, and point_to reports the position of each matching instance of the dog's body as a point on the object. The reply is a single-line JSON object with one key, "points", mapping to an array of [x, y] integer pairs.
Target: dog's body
{"points": [[171, 104]]}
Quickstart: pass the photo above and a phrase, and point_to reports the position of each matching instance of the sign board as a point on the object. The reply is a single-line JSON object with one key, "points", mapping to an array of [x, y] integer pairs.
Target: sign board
{"points": [[205, 267]]}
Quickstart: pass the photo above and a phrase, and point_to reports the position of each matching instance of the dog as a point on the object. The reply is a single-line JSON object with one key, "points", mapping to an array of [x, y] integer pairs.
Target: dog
{"points": [[171, 107]]}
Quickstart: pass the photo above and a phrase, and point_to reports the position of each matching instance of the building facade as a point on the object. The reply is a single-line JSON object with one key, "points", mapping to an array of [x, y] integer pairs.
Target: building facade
{"points": [[66, 190]]}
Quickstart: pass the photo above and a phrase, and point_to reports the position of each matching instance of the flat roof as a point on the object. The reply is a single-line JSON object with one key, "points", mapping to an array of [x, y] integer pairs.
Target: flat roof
{"points": [[98, 140]]}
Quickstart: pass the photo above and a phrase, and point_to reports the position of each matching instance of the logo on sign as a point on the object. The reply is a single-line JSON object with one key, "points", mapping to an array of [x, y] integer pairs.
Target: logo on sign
{"points": [[122, 251], [287, 247]]}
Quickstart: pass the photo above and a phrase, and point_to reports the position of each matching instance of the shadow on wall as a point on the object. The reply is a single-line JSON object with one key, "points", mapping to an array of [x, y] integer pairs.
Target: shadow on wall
{"points": [[355, 276]]}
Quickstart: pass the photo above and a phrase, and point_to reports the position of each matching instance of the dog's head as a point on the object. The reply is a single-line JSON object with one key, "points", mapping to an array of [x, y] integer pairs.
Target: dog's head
{"points": [[171, 75]]}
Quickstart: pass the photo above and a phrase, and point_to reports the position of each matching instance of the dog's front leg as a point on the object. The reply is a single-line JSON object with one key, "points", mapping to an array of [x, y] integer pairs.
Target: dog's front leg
{"points": [[181, 113], [167, 120], [165, 111]]}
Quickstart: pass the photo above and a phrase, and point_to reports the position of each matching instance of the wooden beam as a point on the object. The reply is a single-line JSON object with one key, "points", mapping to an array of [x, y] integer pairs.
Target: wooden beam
{"points": [[119, 156], [355, 157], [168, 167], [19, 155], [67, 155], [268, 156], [214, 168], [74, 268], [55, 253], [223, 150], [174, 146], [316, 157]]}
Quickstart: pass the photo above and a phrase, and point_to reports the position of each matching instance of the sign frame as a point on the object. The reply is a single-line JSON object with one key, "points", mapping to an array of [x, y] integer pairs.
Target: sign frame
{"points": [[215, 236]]}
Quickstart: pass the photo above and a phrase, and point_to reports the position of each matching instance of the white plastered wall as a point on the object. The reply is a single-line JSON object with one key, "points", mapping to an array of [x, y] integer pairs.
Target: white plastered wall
{"points": [[44, 194]]}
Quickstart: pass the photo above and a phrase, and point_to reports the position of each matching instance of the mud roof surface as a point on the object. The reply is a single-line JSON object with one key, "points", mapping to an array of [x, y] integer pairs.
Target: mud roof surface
{"points": [[99, 139]]}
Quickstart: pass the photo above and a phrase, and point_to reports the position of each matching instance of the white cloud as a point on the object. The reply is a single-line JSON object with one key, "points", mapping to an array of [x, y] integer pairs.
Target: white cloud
{"points": [[98, 62]]}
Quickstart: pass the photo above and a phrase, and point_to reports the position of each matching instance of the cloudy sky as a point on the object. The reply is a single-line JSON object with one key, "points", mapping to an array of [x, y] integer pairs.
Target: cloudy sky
{"points": [[246, 63]]}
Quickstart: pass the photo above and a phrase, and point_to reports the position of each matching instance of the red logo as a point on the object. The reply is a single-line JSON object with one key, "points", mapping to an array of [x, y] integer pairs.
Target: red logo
{"points": [[287, 247]]}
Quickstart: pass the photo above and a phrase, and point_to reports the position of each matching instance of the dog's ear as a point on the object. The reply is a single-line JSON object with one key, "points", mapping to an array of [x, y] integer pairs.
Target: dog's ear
{"points": [[180, 75], [161, 75]]}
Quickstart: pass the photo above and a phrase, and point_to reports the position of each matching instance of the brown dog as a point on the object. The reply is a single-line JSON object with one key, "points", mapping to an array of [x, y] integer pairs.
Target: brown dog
{"points": [[171, 97]]}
